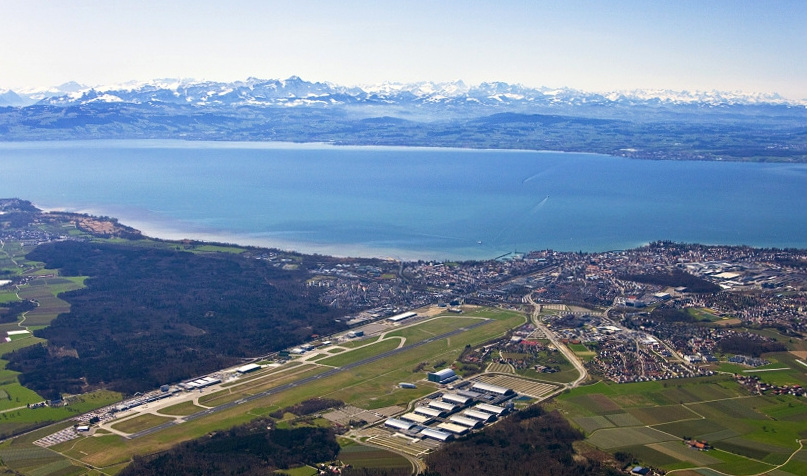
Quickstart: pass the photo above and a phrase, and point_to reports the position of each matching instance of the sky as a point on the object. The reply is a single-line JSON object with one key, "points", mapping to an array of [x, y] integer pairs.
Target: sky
{"points": [[599, 46]]}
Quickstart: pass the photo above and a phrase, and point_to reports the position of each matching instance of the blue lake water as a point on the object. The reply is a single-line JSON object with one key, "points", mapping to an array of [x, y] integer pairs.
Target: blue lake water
{"points": [[409, 202]]}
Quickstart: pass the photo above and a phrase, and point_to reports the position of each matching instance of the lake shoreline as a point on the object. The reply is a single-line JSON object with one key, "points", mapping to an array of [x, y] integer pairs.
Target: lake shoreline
{"points": [[410, 203]]}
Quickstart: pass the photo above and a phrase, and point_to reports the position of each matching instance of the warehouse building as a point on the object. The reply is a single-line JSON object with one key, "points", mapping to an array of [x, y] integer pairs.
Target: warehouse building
{"points": [[444, 406], [414, 417], [442, 376], [401, 317], [492, 389], [492, 409], [397, 424], [465, 421], [436, 434], [430, 412], [245, 369], [481, 416], [469, 394], [458, 399], [453, 428], [200, 383]]}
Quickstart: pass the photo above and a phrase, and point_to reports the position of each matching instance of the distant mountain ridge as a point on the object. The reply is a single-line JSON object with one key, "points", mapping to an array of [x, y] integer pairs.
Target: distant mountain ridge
{"points": [[295, 91], [645, 124]]}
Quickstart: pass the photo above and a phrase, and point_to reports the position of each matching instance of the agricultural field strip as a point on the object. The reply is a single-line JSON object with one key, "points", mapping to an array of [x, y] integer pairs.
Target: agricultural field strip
{"points": [[764, 370], [682, 453], [394, 443], [500, 368], [526, 387], [792, 455], [687, 406], [304, 381]]}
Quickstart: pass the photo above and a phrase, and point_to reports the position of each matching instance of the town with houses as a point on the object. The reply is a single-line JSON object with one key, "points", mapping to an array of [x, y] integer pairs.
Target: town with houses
{"points": [[656, 312], [660, 312], [629, 306]]}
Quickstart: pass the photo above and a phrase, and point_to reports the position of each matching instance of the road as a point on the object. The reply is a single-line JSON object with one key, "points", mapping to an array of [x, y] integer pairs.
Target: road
{"points": [[303, 381], [570, 356]]}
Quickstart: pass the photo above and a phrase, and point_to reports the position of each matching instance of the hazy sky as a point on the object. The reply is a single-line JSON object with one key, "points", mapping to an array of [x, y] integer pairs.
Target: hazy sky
{"points": [[594, 45]]}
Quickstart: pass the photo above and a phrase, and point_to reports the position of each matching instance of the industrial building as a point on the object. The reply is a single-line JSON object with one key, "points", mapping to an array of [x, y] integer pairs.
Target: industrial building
{"points": [[481, 416], [465, 421], [458, 399], [444, 406], [453, 428], [414, 417], [200, 383], [436, 434], [468, 393], [430, 412], [492, 409], [492, 389], [245, 369], [401, 317], [442, 376], [399, 424]]}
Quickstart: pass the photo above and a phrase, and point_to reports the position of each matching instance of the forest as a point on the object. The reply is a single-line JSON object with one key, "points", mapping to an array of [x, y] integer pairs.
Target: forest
{"points": [[252, 449], [153, 316], [750, 344], [531, 442], [308, 407], [11, 311], [675, 278]]}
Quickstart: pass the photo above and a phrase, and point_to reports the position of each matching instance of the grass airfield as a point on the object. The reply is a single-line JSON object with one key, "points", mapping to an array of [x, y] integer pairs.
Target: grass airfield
{"points": [[369, 386]]}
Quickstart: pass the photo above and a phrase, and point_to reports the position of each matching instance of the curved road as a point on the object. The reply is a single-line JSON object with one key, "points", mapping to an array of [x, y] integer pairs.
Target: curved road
{"points": [[303, 381], [570, 356]]}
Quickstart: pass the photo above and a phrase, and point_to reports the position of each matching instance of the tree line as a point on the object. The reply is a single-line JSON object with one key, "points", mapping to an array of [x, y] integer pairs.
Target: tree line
{"points": [[251, 449], [153, 316], [531, 442]]}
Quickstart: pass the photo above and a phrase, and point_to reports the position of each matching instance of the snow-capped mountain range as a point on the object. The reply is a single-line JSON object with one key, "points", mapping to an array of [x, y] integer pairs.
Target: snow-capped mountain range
{"points": [[297, 92]]}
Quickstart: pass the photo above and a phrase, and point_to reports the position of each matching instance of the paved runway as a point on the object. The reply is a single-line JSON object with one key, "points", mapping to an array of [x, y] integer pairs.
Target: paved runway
{"points": [[304, 381]]}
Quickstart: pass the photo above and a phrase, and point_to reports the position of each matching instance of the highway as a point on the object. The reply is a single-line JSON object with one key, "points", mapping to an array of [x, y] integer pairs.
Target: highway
{"points": [[304, 381]]}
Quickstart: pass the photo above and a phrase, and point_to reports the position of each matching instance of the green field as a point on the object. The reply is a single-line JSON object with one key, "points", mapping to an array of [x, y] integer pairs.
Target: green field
{"points": [[360, 456], [37, 460], [751, 434], [14, 398], [352, 344], [259, 374], [368, 386], [259, 385], [139, 423], [792, 373], [361, 353], [181, 409], [431, 328], [45, 291], [300, 471], [219, 249], [582, 352], [703, 314]]}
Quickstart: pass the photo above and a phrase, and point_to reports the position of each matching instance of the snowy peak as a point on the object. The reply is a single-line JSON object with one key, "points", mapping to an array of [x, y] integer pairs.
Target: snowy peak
{"points": [[691, 97], [295, 91], [10, 98]]}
